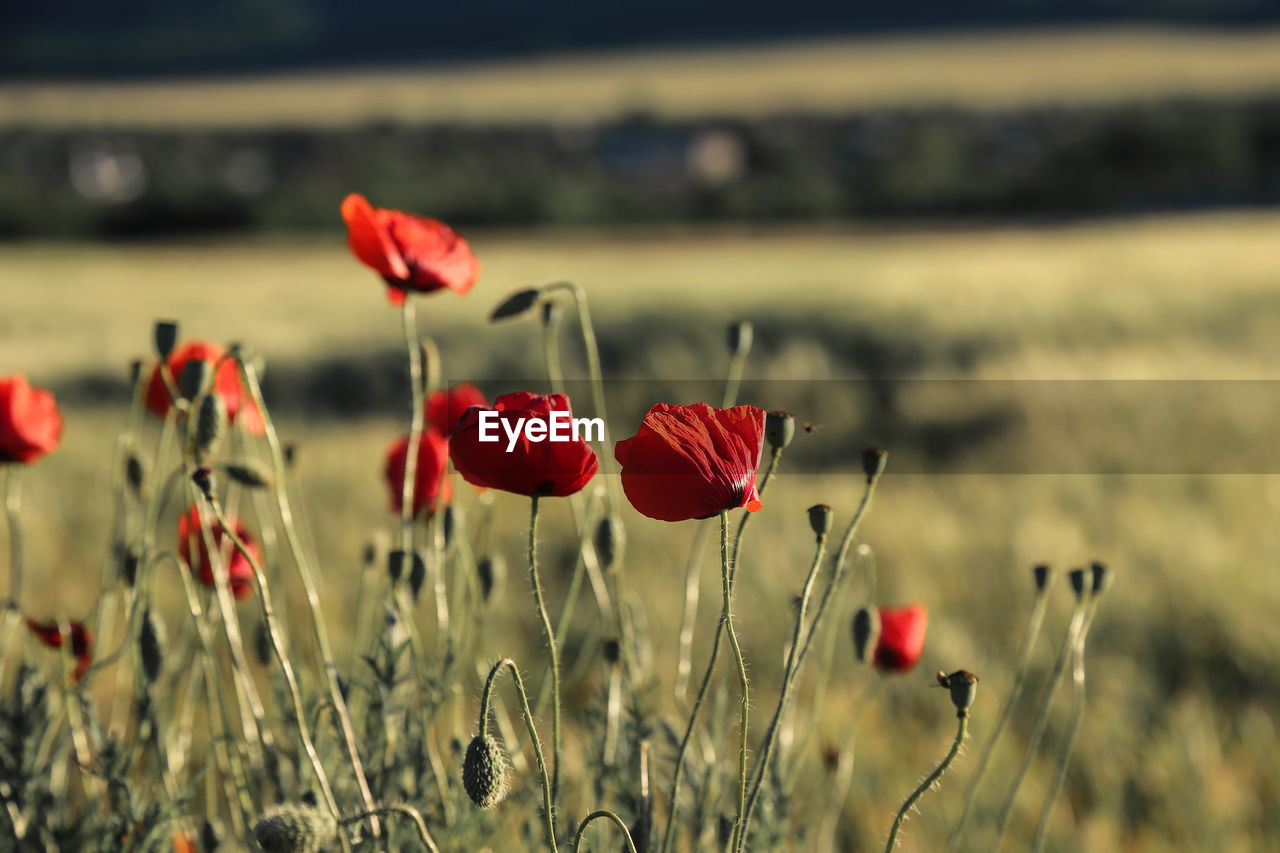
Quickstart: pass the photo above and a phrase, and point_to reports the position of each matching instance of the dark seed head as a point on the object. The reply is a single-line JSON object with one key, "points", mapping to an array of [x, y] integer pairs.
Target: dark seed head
{"points": [[448, 521], [211, 426], [820, 520], [873, 461], [417, 576], [262, 647], [295, 828], [135, 473], [1077, 577], [165, 336], [1043, 574], [612, 650], [195, 374], [866, 630], [1100, 576], [606, 541], [779, 429], [151, 646], [963, 686], [484, 772]]}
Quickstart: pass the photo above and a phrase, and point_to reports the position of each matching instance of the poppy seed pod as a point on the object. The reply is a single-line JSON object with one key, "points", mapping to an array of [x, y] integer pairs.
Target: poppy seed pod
{"points": [[1100, 576], [1042, 574], [779, 429], [165, 336], [612, 648], [873, 461], [151, 646], [211, 426], [516, 304], [191, 380], [606, 542], [866, 631], [484, 772], [739, 336], [820, 520], [963, 686], [1077, 581], [295, 828], [396, 561]]}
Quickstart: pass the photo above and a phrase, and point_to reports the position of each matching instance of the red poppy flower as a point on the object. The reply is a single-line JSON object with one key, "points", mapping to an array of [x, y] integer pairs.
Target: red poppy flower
{"points": [[901, 639], [431, 488], [227, 384], [239, 570], [30, 423], [81, 641], [444, 408], [542, 468], [409, 252], [693, 461]]}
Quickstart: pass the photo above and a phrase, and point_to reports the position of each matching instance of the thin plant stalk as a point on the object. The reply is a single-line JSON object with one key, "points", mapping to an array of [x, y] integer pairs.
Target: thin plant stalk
{"points": [[1042, 716], [962, 729], [1029, 637], [727, 588], [551, 643], [844, 773], [93, 786], [424, 835], [486, 698], [13, 517], [603, 814]]}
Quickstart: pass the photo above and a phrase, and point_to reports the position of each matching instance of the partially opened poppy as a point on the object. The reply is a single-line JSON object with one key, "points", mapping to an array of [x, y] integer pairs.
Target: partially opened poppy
{"points": [[239, 569], [544, 468], [431, 487], [444, 408], [30, 423], [50, 635], [409, 252], [901, 641], [226, 384], [693, 461]]}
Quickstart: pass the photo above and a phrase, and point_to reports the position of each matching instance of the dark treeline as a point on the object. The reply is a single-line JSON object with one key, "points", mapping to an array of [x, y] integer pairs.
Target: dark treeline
{"points": [[884, 166], [151, 37]]}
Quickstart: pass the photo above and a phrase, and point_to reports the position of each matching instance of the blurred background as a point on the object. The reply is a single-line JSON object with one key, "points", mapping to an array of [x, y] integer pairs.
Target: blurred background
{"points": [[1029, 246]]}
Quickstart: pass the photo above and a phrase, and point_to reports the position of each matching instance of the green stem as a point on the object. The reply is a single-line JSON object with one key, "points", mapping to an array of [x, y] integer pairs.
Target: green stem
{"points": [[551, 642], [929, 781], [604, 814], [13, 516], [727, 588], [548, 814], [398, 808], [1006, 712]]}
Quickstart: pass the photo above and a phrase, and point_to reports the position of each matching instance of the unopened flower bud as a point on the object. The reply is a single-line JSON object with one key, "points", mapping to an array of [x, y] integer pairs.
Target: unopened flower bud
{"points": [[151, 646], [820, 520], [612, 650], [963, 686], [195, 373], [739, 336], [779, 429], [295, 828], [866, 631], [165, 336], [516, 304], [1100, 576], [606, 541], [211, 426], [135, 473], [1042, 574], [873, 461], [262, 647], [417, 576], [1077, 577], [396, 561], [489, 571], [203, 478], [484, 772], [448, 521]]}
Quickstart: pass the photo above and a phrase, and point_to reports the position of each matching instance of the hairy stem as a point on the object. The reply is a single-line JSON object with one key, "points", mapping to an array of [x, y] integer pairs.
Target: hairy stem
{"points": [[929, 781]]}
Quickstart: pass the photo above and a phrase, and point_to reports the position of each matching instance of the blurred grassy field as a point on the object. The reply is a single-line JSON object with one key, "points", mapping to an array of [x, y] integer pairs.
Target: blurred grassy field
{"points": [[1179, 748], [983, 70]]}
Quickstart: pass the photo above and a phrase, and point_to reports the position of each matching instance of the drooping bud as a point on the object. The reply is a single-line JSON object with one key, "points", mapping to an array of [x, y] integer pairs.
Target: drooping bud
{"points": [[516, 304], [1077, 577], [295, 828], [739, 336], [211, 425], [820, 520], [866, 631], [963, 686], [1100, 576], [606, 541], [151, 646], [873, 461], [195, 373], [165, 336], [251, 474], [1043, 574], [779, 429], [484, 772]]}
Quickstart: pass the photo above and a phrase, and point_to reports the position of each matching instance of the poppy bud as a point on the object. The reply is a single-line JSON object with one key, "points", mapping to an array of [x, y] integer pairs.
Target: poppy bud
{"points": [[262, 647], [1077, 581], [820, 520], [873, 462], [254, 475], [211, 425], [194, 376], [295, 828], [606, 541], [866, 630], [739, 336], [516, 304], [395, 564], [135, 473], [612, 650], [779, 429], [551, 313], [484, 772], [1042, 574], [417, 576], [963, 686], [1100, 576], [203, 478], [489, 570], [151, 646], [165, 335]]}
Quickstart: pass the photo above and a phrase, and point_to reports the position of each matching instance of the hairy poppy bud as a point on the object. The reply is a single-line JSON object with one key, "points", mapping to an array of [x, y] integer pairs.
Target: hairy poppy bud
{"points": [[873, 462], [211, 426], [963, 686], [1100, 576], [516, 304], [295, 828], [1077, 581], [606, 541], [253, 475], [151, 646], [1042, 574], [866, 631], [739, 336], [484, 772], [194, 376], [820, 520], [779, 429], [165, 336]]}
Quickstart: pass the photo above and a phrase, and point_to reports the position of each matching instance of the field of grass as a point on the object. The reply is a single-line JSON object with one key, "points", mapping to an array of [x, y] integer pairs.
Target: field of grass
{"points": [[1179, 747], [976, 69]]}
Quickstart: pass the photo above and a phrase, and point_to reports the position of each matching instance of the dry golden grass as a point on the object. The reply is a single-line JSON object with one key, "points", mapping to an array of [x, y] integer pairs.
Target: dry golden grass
{"points": [[982, 70]]}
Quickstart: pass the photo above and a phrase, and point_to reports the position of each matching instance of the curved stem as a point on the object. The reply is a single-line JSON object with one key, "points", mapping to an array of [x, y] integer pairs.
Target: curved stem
{"points": [[1006, 712], [485, 699], [606, 815], [727, 587], [398, 808], [929, 780], [551, 643]]}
